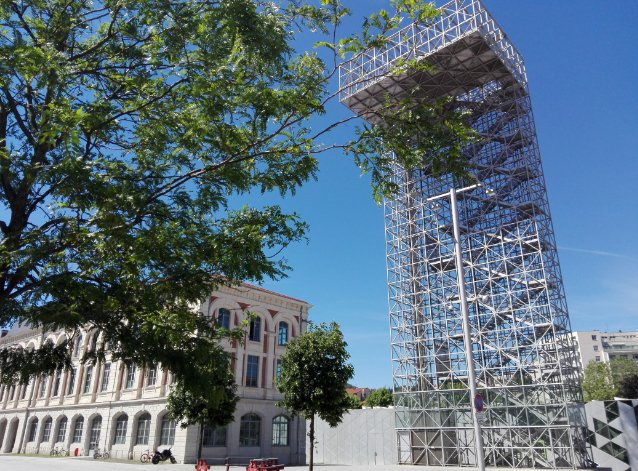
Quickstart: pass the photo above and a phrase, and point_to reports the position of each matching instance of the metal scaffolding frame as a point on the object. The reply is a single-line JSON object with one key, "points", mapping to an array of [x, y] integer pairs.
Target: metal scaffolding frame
{"points": [[523, 354]]}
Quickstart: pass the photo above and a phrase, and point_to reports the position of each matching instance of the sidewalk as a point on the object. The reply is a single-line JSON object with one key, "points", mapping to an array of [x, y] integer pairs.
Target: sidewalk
{"points": [[11, 462]]}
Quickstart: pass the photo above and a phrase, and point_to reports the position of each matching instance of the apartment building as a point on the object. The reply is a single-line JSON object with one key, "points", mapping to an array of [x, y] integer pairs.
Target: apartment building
{"points": [[123, 409], [605, 346]]}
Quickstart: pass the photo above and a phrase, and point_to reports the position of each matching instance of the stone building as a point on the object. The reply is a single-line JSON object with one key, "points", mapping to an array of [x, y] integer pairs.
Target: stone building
{"points": [[123, 409]]}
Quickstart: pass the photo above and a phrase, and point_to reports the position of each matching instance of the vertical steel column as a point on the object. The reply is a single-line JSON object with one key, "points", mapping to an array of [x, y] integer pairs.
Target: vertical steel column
{"points": [[467, 334]]}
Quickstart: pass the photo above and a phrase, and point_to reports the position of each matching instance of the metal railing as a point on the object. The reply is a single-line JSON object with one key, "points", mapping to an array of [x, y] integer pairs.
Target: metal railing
{"points": [[458, 18]]}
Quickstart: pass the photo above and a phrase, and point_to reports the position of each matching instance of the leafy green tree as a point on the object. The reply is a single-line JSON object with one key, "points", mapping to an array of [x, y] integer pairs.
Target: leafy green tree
{"points": [[206, 404], [353, 402], [628, 387], [598, 384], [125, 126], [314, 374], [381, 397], [622, 368]]}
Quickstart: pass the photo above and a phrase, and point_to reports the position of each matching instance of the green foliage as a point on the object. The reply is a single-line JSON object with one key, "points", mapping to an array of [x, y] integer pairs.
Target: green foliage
{"points": [[603, 382], [597, 382], [442, 132], [353, 402], [194, 401], [124, 129], [628, 387], [381, 397], [314, 374], [622, 368]]}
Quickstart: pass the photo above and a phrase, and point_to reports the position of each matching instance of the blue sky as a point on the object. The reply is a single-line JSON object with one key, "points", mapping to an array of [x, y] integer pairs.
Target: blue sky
{"points": [[582, 68], [583, 74]]}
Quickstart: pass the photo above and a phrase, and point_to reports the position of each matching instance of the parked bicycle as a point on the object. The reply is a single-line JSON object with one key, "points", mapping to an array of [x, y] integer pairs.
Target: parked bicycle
{"points": [[59, 452], [101, 454], [146, 456]]}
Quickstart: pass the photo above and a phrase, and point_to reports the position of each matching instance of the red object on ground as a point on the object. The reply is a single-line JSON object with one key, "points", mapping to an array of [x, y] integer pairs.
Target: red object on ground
{"points": [[76, 452], [264, 464], [202, 465]]}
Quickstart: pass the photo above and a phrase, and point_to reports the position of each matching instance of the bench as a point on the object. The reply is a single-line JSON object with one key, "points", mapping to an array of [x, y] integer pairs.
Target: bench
{"points": [[264, 464]]}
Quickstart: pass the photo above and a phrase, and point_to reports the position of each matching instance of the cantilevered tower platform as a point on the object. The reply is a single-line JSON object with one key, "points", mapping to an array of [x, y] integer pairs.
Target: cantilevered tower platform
{"points": [[506, 274]]}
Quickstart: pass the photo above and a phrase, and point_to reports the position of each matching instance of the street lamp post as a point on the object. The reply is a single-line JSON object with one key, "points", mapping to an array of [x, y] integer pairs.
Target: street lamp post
{"points": [[467, 334]]}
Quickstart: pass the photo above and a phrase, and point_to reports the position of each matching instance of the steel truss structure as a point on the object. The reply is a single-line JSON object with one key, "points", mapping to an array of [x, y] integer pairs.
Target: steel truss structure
{"points": [[520, 343]]}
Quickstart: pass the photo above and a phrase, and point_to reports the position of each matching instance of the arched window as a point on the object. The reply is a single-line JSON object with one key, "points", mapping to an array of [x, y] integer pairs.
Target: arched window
{"points": [[61, 430], [249, 429], [93, 343], [280, 430], [254, 333], [78, 427], [252, 371], [167, 437], [71, 382], [282, 336], [130, 377], [214, 435], [96, 427], [88, 379], [55, 389], [46, 430], [143, 429], [151, 377], [77, 346], [43, 386], [120, 430], [32, 430], [223, 318], [106, 373]]}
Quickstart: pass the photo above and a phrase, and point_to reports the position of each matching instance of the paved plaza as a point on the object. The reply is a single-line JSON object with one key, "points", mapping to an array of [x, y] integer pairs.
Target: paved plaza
{"points": [[10, 462]]}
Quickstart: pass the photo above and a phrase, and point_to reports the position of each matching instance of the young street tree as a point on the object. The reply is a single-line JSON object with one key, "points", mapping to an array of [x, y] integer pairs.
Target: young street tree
{"points": [[598, 384], [206, 403], [622, 368], [354, 402], [381, 397], [604, 381], [125, 126], [314, 375], [625, 377]]}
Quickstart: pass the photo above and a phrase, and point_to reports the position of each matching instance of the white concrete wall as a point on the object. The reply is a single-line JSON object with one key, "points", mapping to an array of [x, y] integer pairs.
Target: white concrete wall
{"points": [[364, 437]]}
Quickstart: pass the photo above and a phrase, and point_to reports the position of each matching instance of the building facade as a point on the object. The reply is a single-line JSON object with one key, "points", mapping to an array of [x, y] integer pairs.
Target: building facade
{"points": [[475, 290], [123, 409], [605, 346]]}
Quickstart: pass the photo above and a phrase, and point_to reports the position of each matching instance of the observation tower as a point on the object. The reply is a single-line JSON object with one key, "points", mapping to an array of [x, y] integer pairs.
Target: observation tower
{"points": [[473, 271]]}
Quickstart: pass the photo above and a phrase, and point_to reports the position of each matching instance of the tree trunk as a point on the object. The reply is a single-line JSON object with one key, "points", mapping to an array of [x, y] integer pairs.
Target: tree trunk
{"points": [[311, 435], [200, 441]]}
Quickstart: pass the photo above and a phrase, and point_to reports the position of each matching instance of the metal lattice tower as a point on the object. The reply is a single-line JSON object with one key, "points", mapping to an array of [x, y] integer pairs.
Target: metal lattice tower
{"points": [[519, 324]]}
